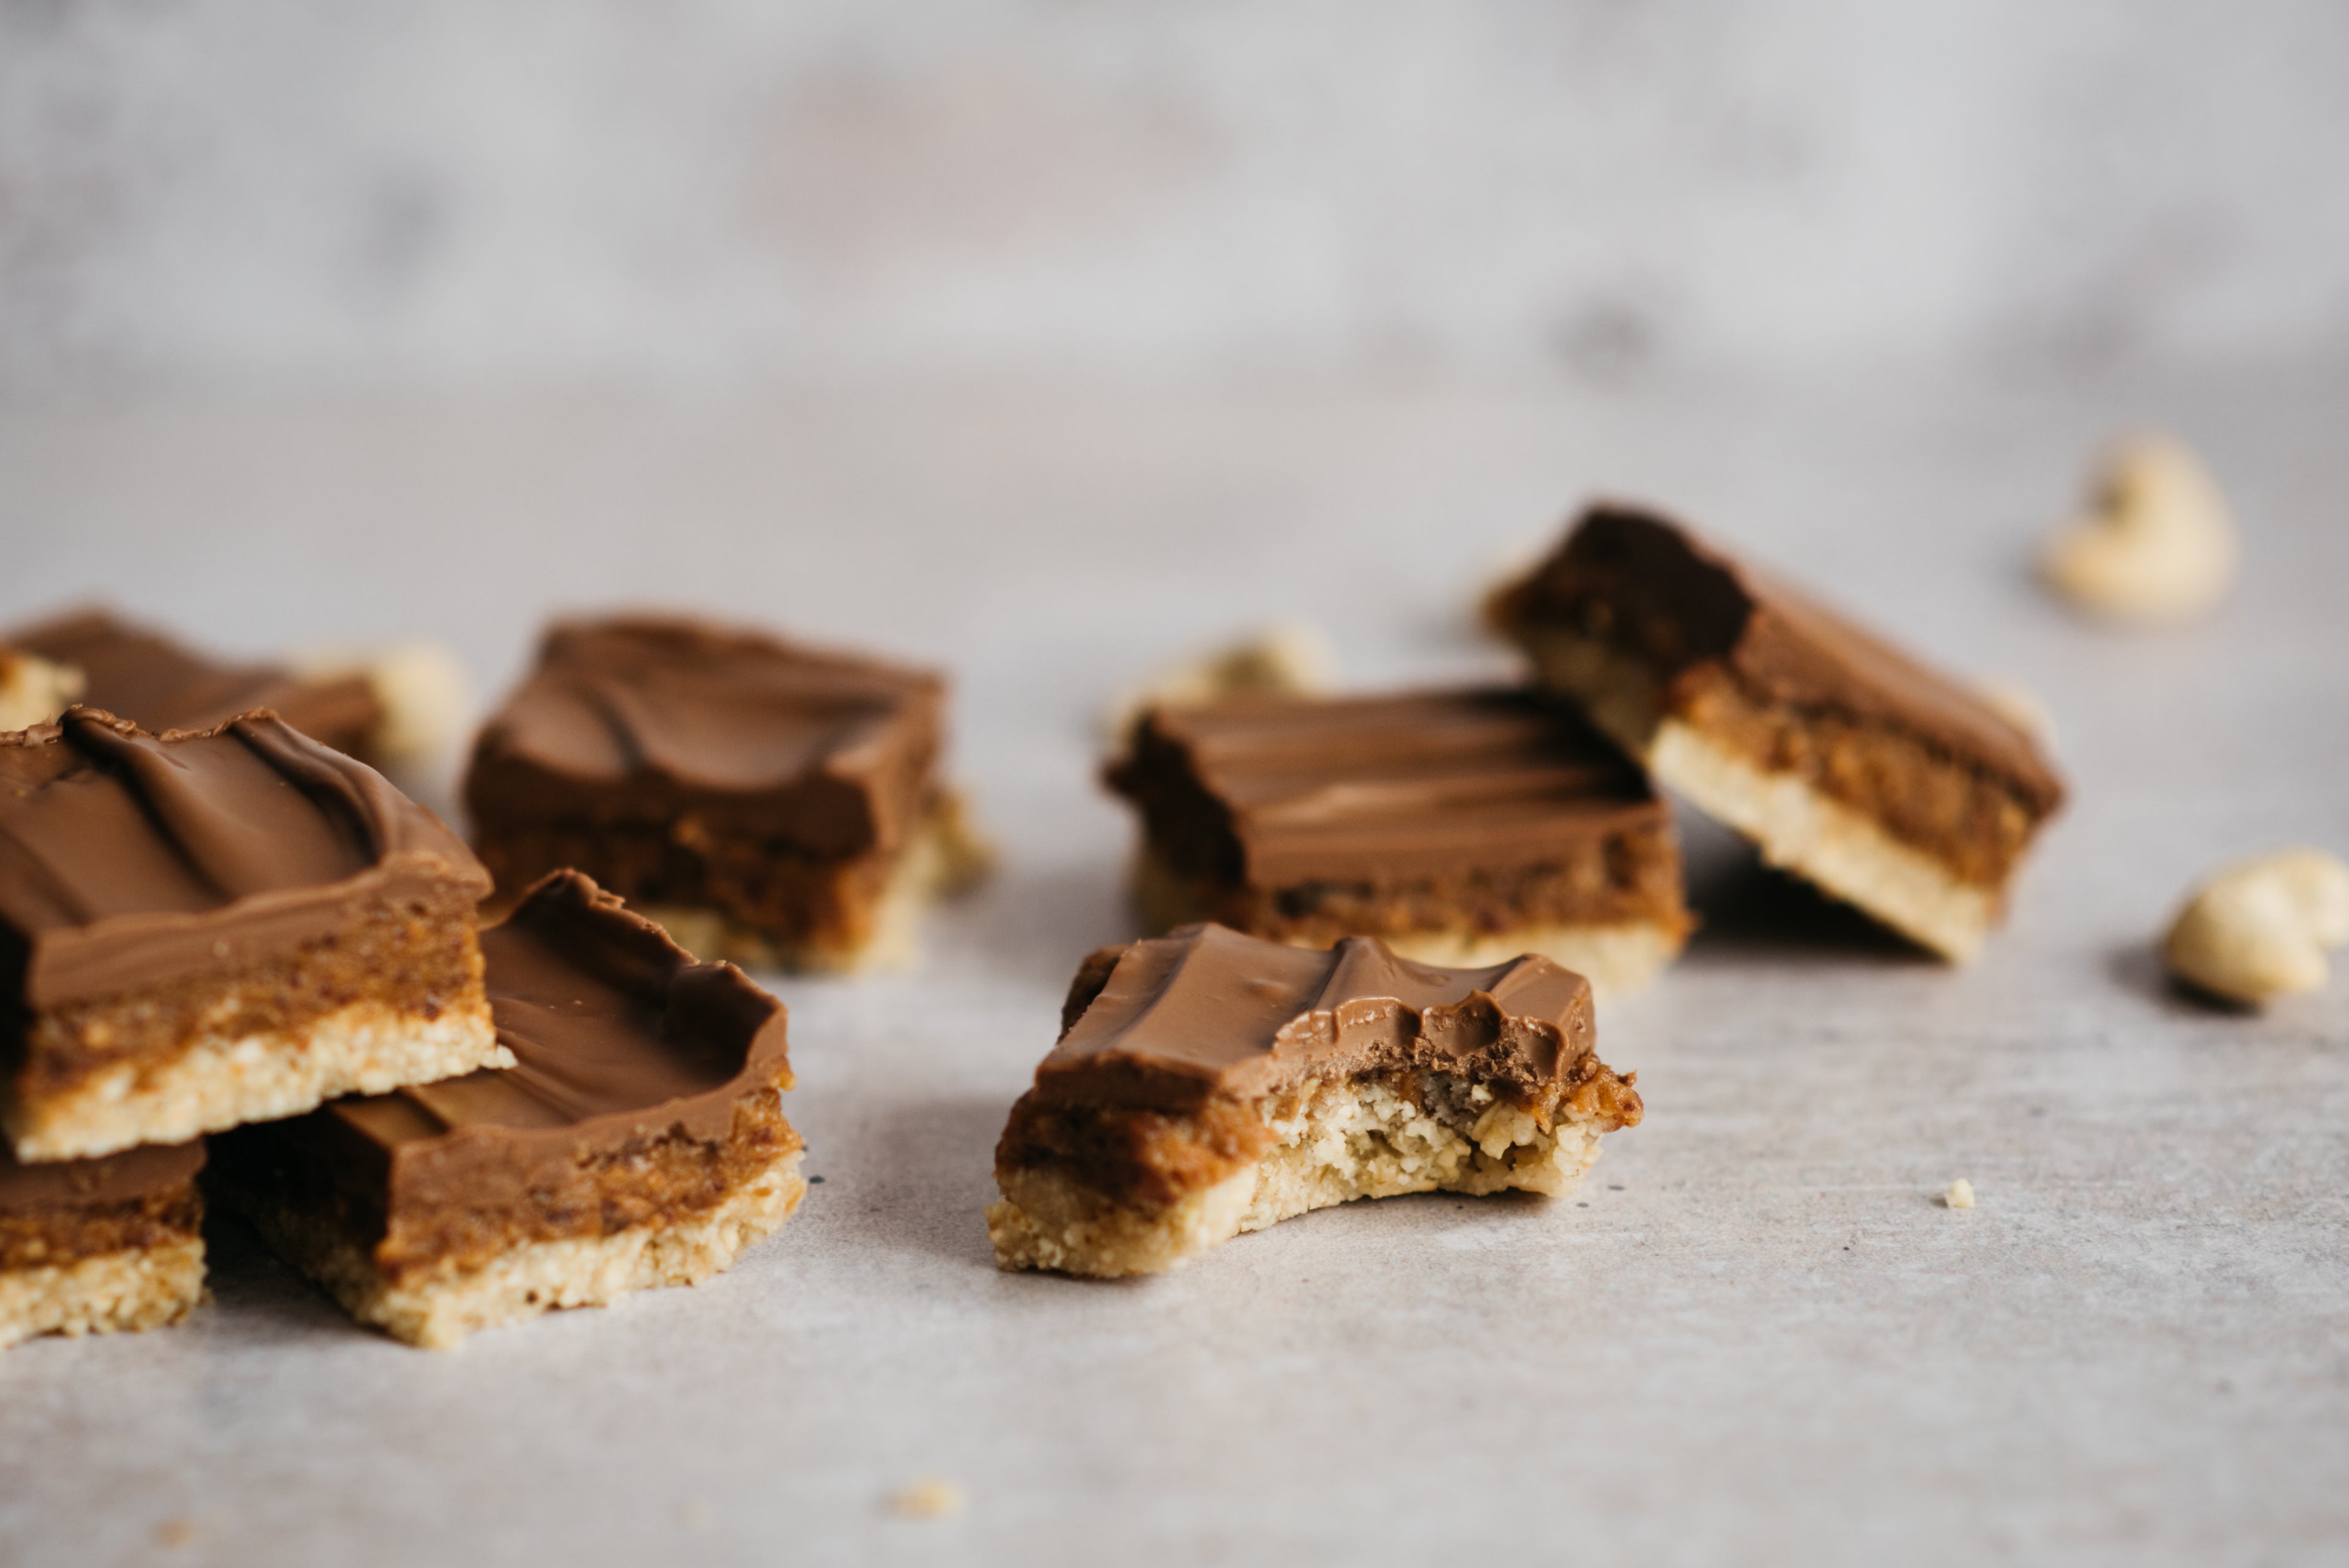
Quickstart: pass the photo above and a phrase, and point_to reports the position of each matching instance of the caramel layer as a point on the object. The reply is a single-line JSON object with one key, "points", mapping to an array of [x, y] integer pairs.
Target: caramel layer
{"points": [[647, 1088], [1797, 688]]}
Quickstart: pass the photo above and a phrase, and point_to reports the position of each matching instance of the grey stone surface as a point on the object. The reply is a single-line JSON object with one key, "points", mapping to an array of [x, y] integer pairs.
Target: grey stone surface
{"points": [[1755, 1336]]}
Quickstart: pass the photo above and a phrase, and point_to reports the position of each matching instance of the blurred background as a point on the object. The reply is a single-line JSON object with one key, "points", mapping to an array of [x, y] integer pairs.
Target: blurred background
{"points": [[201, 198]]}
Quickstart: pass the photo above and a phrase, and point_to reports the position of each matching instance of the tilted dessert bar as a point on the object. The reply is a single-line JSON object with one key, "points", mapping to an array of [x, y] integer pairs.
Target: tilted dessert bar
{"points": [[638, 1141], [100, 1246], [1460, 827], [1884, 782], [765, 801], [139, 674], [1208, 1083], [208, 928]]}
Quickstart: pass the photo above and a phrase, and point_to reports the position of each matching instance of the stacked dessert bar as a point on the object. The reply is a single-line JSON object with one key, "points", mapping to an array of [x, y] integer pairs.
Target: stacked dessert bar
{"points": [[202, 928]]}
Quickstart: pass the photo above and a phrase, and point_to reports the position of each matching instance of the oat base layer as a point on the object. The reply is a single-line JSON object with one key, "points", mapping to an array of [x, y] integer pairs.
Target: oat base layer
{"points": [[1796, 827], [1346, 1140], [221, 1080], [113, 1292], [946, 857], [1617, 958], [438, 1311]]}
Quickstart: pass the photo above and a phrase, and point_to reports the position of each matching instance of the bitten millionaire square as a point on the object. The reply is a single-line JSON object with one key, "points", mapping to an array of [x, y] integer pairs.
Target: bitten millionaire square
{"points": [[100, 1246], [637, 1141], [1457, 827], [1207, 1084], [1848, 761], [768, 802], [206, 929]]}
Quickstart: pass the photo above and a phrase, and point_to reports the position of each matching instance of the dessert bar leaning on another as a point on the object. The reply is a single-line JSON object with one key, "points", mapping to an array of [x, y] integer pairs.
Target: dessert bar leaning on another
{"points": [[767, 802], [100, 1246], [1208, 1083], [137, 673], [1459, 827], [215, 927], [639, 1141], [1886, 783]]}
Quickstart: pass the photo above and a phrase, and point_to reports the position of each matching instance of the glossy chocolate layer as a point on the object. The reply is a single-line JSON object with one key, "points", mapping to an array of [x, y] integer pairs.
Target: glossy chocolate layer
{"points": [[618, 1034], [117, 1178], [1380, 789], [1678, 602], [127, 859], [1164, 1024], [159, 684], [700, 728]]}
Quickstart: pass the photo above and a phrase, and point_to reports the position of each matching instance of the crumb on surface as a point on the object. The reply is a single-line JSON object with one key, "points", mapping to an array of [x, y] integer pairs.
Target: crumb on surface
{"points": [[932, 1497], [174, 1533], [1960, 1194]]}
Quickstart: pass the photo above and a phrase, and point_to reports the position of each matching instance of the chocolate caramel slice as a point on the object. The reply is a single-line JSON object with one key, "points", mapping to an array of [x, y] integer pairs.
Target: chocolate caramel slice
{"points": [[100, 1246], [637, 1141], [1460, 827], [205, 929], [1208, 1083], [160, 683], [769, 802], [1885, 782]]}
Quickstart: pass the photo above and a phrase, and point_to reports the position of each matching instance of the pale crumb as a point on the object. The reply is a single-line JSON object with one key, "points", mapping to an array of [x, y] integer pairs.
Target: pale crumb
{"points": [[1285, 658], [2259, 928], [2158, 543], [932, 1497], [426, 696], [174, 1533], [1960, 1194], [33, 690], [2021, 707]]}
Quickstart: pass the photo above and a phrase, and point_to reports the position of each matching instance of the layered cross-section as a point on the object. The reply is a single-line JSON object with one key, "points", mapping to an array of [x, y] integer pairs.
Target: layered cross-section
{"points": [[208, 928], [639, 1140], [1847, 760], [768, 802], [1209, 1082], [1457, 827]]}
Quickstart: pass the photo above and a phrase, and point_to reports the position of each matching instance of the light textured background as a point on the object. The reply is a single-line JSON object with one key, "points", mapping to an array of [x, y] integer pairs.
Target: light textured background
{"points": [[1761, 1341], [1044, 341], [286, 194]]}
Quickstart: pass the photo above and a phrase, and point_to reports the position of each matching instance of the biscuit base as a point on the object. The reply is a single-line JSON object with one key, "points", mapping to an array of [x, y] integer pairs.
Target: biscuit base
{"points": [[220, 1081], [946, 856], [438, 1311], [1362, 1139], [1796, 827], [1618, 957], [112, 1293]]}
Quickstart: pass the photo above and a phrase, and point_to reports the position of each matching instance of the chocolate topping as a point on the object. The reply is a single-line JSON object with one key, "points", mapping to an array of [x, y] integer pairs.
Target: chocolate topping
{"points": [[1378, 789], [1208, 1012], [639, 719], [72, 1183], [1688, 603], [127, 858], [159, 684], [618, 1034]]}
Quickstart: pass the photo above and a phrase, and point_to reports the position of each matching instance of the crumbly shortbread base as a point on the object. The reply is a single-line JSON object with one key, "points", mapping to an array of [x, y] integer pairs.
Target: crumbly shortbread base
{"points": [[113, 1292], [946, 856], [1346, 1140], [222, 1081], [1617, 958], [537, 1277], [1796, 827]]}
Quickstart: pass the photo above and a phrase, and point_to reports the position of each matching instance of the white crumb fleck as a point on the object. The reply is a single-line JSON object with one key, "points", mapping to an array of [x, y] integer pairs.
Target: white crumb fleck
{"points": [[1960, 1194]]}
